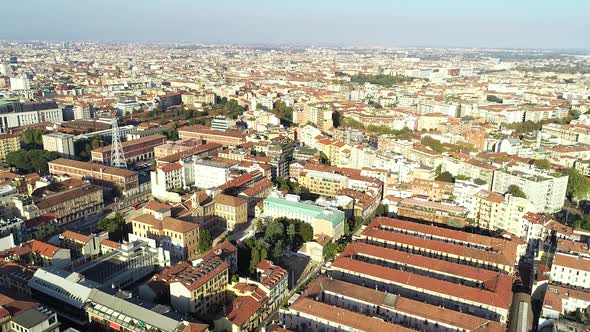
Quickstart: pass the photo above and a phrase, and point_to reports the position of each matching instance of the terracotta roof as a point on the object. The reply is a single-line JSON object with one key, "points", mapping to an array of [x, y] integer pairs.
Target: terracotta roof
{"points": [[230, 200], [192, 277], [501, 298], [167, 223], [401, 304], [171, 167], [572, 262], [93, 167], [344, 317], [76, 236], [109, 243]]}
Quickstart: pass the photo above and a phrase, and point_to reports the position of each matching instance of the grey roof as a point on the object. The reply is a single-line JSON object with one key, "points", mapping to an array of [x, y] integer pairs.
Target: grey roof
{"points": [[30, 318], [133, 311]]}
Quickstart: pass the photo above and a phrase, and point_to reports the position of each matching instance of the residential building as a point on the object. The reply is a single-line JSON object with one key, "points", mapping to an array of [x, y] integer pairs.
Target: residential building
{"points": [[18, 114], [448, 214], [546, 191], [125, 180], [8, 143], [571, 271], [493, 211], [177, 236], [72, 205], [232, 210]]}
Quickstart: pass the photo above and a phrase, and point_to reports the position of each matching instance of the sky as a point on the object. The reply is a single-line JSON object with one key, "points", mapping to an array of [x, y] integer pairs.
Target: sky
{"points": [[388, 23]]}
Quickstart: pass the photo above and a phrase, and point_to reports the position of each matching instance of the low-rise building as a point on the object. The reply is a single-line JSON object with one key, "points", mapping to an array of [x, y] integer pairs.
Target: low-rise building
{"points": [[328, 221], [177, 236], [125, 180]]}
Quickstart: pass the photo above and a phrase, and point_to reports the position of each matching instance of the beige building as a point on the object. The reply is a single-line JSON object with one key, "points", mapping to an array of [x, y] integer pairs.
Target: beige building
{"points": [[8, 143], [233, 210], [179, 237]]}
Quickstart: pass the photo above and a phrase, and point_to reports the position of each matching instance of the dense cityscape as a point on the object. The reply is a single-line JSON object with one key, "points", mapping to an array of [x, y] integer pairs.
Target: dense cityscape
{"points": [[193, 187]]}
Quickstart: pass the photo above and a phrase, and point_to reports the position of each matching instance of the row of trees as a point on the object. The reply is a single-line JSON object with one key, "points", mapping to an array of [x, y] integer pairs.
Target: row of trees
{"points": [[271, 240], [383, 80], [28, 161]]}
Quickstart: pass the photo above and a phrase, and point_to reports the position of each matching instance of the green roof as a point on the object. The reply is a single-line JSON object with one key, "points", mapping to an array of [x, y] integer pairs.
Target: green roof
{"points": [[315, 211]]}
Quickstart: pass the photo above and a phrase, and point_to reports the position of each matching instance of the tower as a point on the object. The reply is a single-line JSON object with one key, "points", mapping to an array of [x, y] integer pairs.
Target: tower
{"points": [[117, 155]]}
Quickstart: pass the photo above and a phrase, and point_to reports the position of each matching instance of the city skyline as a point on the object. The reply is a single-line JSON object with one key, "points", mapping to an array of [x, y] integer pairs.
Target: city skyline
{"points": [[526, 24]]}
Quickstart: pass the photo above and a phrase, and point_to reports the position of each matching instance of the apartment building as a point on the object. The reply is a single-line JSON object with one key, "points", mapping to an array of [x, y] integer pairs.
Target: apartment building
{"points": [[571, 270], [8, 143], [139, 149], [232, 210], [435, 190], [106, 176], [82, 245], [256, 193], [177, 236], [73, 204], [568, 134], [201, 289], [59, 142], [328, 221], [496, 212], [546, 191], [322, 183], [39, 253], [447, 214], [22, 315], [209, 135]]}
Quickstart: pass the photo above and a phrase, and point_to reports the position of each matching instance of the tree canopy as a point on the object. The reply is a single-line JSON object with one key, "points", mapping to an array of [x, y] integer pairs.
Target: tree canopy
{"points": [[434, 144], [445, 177], [31, 160], [32, 138], [578, 186], [516, 191], [205, 240], [383, 80]]}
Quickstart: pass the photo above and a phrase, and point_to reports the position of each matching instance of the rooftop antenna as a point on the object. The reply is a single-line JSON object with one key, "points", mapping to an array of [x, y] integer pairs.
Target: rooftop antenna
{"points": [[117, 155]]}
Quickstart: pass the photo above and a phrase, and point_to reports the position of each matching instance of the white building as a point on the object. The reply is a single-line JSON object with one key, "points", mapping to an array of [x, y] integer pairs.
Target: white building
{"points": [[546, 191], [496, 212], [571, 270], [205, 174], [22, 118], [19, 83], [59, 142]]}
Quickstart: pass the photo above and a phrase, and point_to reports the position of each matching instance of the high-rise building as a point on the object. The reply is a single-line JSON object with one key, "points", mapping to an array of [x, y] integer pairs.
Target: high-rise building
{"points": [[8, 143], [59, 142]]}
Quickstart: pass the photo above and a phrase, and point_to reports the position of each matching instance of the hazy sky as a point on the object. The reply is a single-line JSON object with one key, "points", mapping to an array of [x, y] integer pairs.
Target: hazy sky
{"points": [[482, 23]]}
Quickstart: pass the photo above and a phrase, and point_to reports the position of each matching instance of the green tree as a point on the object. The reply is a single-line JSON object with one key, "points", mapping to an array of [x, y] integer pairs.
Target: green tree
{"points": [[577, 185], [516, 191], [235, 279], [33, 138], [263, 253], [445, 177], [494, 99], [112, 225], [205, 240], [306, 232], [291, 232], [542, 163], [254, 260], [274, 231], [438, 170], [277, 251], [381, 210], [434, 144]]}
